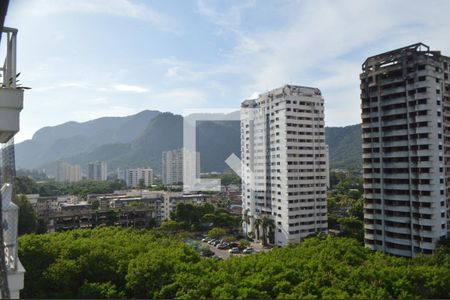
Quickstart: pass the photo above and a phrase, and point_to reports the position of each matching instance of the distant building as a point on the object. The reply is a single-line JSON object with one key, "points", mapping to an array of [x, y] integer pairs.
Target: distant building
{"points": [[98, 171], [172, 165], [66, 172], [171, 200], [136, 177]]}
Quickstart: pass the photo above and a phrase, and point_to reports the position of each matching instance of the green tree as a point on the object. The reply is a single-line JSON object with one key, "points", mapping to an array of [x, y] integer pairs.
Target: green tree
{"points": [[246, 221], [27, 216], [99, 290], [25, 185], [100, 262], [142, 184], [266, 223], [257, 224], [244, 243], [216, 233], [352, 227], [172, 226], [186, 213]]}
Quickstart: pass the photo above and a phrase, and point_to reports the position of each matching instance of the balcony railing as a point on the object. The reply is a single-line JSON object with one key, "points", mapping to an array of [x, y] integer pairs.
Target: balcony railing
{"points": [[9, 69], [9, 221], [11, 93]]}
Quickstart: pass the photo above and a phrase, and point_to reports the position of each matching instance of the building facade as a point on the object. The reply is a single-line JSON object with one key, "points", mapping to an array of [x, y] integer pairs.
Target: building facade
{"points": [[284, 165], [11, 103], [405, 102], [137, 177], [172, 165], [66, 172], [98, 171]]}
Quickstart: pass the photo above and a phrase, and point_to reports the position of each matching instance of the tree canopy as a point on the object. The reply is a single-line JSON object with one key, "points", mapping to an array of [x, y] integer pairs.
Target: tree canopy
{"points": [[118, 263], [26, 185]]}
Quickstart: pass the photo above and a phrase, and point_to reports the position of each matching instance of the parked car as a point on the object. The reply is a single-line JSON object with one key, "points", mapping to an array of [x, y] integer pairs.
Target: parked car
{"points": [[222, 246], [234, 244], [234, 250], [206, 239], [211, 242], [216, 242], [248, 250]]}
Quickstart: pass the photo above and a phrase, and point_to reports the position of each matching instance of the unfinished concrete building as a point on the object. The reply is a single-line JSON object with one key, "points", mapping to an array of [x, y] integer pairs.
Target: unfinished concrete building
{"points": [[405, 104]]}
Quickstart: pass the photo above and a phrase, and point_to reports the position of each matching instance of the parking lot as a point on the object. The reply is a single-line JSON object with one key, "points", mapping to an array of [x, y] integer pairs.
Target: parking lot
{"points": [[224, 254]]}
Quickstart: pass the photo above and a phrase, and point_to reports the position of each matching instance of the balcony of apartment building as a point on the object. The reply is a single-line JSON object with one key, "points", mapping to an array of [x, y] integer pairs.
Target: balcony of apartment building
{"points": [[11, 95], [11, 103], [14, 268]]}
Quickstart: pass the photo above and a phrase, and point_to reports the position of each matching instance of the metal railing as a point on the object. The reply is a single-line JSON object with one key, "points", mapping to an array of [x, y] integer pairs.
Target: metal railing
{"points": [[10, 218], [8, 71]]}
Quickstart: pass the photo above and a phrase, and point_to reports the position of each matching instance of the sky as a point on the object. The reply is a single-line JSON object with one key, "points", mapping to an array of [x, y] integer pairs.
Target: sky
{"points": [[86, 59]]}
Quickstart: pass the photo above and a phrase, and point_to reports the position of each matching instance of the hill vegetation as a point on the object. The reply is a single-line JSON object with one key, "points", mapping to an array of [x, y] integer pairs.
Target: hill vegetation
{"points": [[126, 263], [50, 144], [139, 140], [345, 147]]}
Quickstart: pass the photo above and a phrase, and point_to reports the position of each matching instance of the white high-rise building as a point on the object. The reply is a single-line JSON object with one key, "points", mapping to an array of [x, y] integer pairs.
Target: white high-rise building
{"points": [[66, 172], [405, 102], [137, 177], [98, 170], [172, 165], [284, 164]]}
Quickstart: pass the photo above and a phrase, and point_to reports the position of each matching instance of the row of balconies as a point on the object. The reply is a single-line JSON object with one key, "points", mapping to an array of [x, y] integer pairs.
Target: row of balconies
{"points": [[401, 219]]}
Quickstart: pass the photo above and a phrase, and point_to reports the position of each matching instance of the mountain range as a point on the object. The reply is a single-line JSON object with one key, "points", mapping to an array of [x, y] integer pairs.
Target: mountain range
{"points": [[138, 140]]}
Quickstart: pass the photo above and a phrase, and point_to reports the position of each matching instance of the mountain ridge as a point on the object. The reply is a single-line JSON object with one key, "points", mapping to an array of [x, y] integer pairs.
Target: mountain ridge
{"points": [[138, 140]]}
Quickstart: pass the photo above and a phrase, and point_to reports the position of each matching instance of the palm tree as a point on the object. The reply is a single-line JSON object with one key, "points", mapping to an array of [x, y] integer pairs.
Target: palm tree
{"points": [[256, 224], [266, 222], [246, 220]]}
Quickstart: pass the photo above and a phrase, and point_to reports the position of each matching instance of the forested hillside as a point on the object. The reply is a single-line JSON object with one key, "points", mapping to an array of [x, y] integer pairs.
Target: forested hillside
{"points": [[345, 147], [125, 263], [138, 141]]}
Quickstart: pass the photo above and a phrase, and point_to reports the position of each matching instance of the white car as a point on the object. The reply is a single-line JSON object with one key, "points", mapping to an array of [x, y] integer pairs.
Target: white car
{"points": [[234, 250], [248, 250]]}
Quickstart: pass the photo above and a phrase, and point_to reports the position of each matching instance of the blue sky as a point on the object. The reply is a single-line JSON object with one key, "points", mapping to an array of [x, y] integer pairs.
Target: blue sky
{"points": [[86, 59]]}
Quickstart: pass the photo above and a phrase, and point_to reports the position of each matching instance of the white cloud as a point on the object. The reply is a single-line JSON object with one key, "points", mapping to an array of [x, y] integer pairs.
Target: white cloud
{"points": [[122, 8], [130, 88], [229, 18], [317, 43], [176, 100], [325, 42], [64, 85]]}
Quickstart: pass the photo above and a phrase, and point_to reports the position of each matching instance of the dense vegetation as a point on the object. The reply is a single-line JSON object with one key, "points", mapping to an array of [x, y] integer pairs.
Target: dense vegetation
{"points": [[117, 263], [345, 147], [33, 174], [345, 204], [26, 185], [189, 217], [138, 140], [226, 177]]}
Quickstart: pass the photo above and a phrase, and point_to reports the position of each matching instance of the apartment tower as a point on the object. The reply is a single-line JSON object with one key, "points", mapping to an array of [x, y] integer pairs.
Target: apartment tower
{"points": [[173, 165], [284, 165], [140, 177], [405, 104], [66, 172], [98, 171]]}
